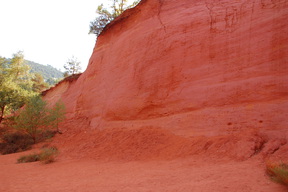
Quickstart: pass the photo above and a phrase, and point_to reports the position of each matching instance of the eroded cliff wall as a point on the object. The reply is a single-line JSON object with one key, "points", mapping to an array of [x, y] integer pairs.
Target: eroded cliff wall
{"points": [[194, 67]]}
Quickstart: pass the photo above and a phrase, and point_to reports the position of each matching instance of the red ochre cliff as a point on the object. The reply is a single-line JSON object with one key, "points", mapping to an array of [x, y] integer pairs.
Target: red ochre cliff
{"points": [[208, 75]]}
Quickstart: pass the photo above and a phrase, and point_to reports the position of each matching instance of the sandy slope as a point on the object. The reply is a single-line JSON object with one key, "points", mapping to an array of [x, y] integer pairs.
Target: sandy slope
{"points": [[146, 159], [189, 174]]}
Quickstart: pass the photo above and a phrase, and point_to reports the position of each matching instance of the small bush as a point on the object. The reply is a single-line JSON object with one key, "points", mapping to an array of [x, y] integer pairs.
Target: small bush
{"points": [[28, 158], [36, 117], [46, 134], [16, 138], [47, 155], [15, 142], [278, 172], [6, 148]]}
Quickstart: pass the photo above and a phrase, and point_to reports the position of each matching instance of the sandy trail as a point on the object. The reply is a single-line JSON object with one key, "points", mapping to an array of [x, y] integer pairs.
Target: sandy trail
{"points": [[189, 174]]}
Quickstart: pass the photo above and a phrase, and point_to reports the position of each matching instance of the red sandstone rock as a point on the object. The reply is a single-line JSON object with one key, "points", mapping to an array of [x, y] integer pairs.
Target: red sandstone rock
{"points": [[204, 80], [196, 68]]}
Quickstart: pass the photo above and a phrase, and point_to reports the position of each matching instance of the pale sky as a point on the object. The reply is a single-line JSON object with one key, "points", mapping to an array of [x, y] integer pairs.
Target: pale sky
{"points": [[48, 31]]}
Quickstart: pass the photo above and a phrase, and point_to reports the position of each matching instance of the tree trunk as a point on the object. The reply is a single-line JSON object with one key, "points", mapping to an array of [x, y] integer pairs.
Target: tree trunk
{"points": [[121, 6], [2, 113]]}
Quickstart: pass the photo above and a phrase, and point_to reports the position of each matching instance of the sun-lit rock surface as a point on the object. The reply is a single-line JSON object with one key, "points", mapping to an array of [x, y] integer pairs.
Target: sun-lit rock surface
{"points": [[195, 68]]}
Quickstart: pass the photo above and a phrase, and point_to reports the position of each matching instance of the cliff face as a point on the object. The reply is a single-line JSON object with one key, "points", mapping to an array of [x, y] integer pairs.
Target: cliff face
{"points": [[194, 67]]}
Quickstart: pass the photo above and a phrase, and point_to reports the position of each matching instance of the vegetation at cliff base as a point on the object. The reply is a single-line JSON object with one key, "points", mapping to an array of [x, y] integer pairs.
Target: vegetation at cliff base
{"points": [[47, 155], [34, 123], [28, 158], [278, 172], [13, 142], [17, 83], [25, 117], [36, 117]]}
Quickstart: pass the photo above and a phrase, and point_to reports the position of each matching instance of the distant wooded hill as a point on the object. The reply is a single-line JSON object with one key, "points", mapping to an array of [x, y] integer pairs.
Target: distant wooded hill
{"points": [[50, 74]]}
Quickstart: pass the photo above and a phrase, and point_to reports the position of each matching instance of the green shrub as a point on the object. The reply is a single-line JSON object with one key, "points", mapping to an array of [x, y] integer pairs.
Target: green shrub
{"points": [[6, 148], [46, 134], [16, 138], [28, 158], [47, 155], [15, 142], [33, 118], [278, 172], [36, 117]]}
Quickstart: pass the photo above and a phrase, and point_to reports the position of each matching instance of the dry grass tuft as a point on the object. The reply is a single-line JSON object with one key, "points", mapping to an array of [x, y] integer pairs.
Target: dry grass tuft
{"points": [[47, 155], [278, 172]]}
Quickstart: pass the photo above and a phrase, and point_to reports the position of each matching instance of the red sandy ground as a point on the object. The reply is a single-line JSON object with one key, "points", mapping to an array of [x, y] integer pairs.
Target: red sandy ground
{"points": [[189, 174], [138, 160]]}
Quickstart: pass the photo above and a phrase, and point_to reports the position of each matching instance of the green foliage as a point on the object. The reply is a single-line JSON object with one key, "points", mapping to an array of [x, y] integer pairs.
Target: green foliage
{"points": [[15, 142], [106, 15], [72, 66], [15, 84], [18, 84], [50, 74], [278, 172], [12, 97], [47, 155], [36, 117], [38, 83], [12, 141], [46, 134], [33, 117], [53, 81], [17, 88], [57, 115], [28, 158], [18, 70]]}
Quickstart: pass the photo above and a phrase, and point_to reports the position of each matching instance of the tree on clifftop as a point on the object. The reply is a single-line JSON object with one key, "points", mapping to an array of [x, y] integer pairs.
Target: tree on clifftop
{"points": [[72, 66], [106, 15]]}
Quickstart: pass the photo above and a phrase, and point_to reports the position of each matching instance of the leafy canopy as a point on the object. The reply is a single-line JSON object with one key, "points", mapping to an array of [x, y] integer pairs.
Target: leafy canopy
{"points": [[37, 117], [17, 84], [72, 66], [107, 14], [50, 74]]}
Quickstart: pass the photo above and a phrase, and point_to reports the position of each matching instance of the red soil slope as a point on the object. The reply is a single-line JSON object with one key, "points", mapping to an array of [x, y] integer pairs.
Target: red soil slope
{"points": [[213, 69]]}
